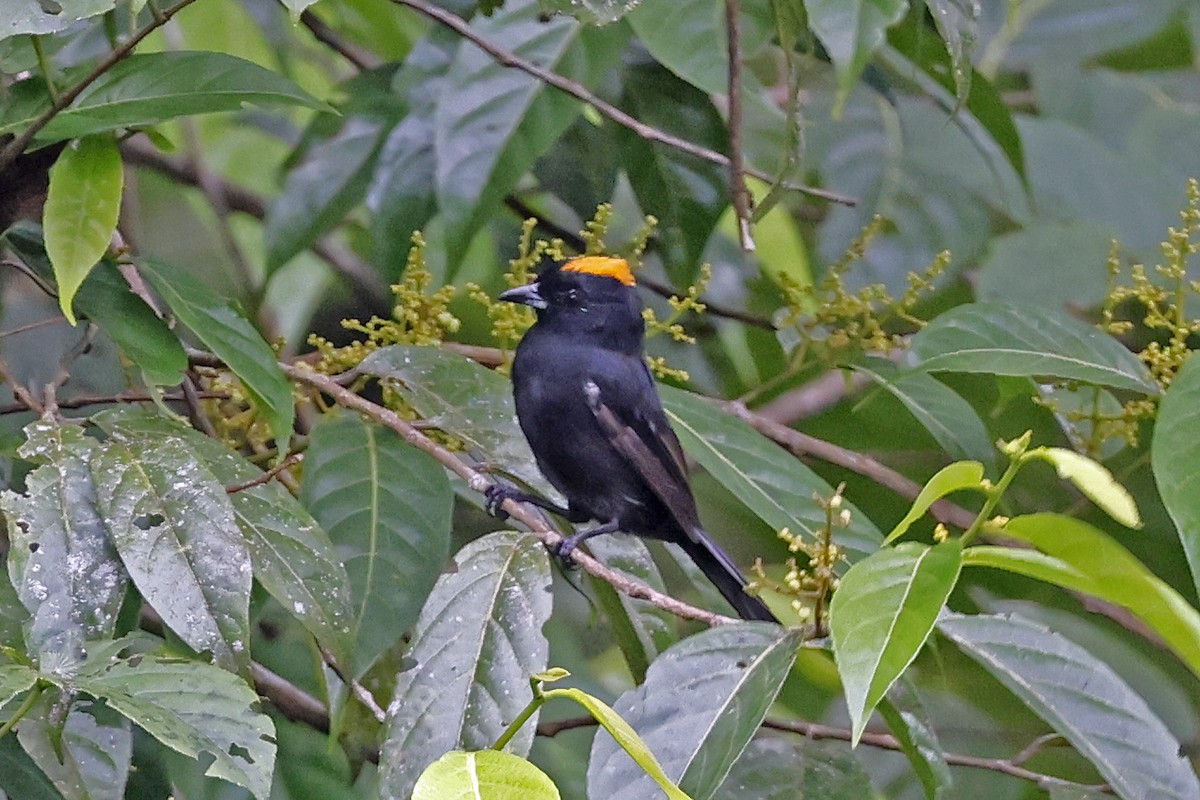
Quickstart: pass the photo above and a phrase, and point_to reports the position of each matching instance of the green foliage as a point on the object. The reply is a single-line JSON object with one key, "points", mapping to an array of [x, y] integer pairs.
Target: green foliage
{"points": [[235, 568]]}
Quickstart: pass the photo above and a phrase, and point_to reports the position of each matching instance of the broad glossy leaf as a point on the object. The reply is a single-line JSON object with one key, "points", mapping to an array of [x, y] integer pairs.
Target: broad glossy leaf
{"points": [[82, 206], [851, 31], [21, 16], [1082, 699], [195, 709], [174, 527], [796, 768], [89, 757], [881, 615], [234, 340], [999, 339], [951, 478], [773, 484], [1175, 458], [1095, 481], [1099, 566], [943, 412], [386, 506], [61, 562], [20, 776], [477, 642], [462, 398], [292, 555], [147, 88], [702, 702], [483, 775], [319, 192]]}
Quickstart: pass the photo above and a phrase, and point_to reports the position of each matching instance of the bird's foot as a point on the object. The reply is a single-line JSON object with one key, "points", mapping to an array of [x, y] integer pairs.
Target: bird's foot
{"points": [[494, 497], [565, 549]]}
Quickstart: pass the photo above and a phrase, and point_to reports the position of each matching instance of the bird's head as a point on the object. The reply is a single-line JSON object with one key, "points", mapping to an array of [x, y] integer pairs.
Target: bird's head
{"points": [[590, 294]]}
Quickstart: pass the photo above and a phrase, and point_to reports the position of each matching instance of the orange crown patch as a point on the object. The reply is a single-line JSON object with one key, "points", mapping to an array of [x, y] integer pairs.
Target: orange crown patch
{"points": [[602, 265]]}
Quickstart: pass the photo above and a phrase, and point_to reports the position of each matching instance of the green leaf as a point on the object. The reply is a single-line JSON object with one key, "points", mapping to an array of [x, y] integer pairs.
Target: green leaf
{"points": [[233, 339], [776, 486], [14, 679], [21, 16], [999, 339], [943, 412], [174, 527], [87, 755], [330, 181], [1175, 458], [796, 768], [82, 206], [1096, 564], [920, 746], [483, 775], [949, 479], [386, 506], [1095, 481], [851, 31], [195, 709], [463, 398], [292, 555], [477, 642], [20, 776], [61, 562], [1017, 266], [147, 88], [625, 736], [881, 615], [1082, 699], [957, 22], [702, 702], [296, 8]]}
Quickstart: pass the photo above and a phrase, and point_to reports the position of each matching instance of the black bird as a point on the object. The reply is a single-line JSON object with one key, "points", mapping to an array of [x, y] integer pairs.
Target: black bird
{"points": [[588, 406]]}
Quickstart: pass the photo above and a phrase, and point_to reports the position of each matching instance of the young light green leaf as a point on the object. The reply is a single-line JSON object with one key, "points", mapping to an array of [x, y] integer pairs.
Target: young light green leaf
{"points": [[950, 478], [82, 206], [625, 736], [174, 527], [1098, 565], [773, 484], [1095, 481], [478, 640], [881, 615], [234, 340], [703, 700], [292, 555], [1175, 458], [1082, 699], [483, 775], [195, 709], [1000, 339], [386, 507]]}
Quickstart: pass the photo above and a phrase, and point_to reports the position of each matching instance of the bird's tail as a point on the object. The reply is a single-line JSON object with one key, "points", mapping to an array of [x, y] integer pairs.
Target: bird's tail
{"points": [[719, 568]]}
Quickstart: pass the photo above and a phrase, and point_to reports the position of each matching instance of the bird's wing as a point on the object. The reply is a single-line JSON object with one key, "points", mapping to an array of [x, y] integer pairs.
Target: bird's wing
{"points": [[632, 419]]}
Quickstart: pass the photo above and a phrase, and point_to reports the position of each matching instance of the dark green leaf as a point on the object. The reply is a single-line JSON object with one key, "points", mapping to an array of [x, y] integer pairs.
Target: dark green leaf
{"points": [[1047, 263], [1175, 457], [478, 641], [702, 702], [487, 775], [999, 339], [174, 527], [147, 88], [851, 31], [82, 206], [292, 555], [319, 192], [796, 768], [89, 757], [594, 12], [881, 615], [234, 340], [20, 777], [61, 561], [774, 485], [920, 746], [23, 16], [1082, 699], [957, 22], [14, 679], [195, 709], [386, 506]]}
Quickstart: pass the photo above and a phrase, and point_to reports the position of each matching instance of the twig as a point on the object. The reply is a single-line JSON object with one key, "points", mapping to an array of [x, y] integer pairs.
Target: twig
{"points": [[104, 399], [363, 60], [360, 692], [292, 701], [22, 394], [388, 418], [17, 146], [287, 463], [507, 58], [813, 397], [32, 325], [737, 167], [191, 396]]}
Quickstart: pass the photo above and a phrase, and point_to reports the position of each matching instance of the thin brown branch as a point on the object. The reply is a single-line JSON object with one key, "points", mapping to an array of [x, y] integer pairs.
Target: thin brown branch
{"points": [[32, 325], [737, 165], [17, 146], [289, 462], [362, 60], [507, 58], [520, 512], [105, 399], [292, 701], [360, 692], [814, 397], [191, 396]]}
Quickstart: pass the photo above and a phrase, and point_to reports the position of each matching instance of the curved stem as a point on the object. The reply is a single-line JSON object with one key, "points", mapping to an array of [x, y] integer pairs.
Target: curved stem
{"points": [[22, 710]]}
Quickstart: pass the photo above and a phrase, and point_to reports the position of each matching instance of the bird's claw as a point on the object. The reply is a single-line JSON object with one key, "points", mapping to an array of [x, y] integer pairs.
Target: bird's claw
{"points": [[494, 497]]}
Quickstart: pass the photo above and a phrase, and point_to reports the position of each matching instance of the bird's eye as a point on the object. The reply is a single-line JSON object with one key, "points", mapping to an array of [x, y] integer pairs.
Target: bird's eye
{"points": [[573, 295]]}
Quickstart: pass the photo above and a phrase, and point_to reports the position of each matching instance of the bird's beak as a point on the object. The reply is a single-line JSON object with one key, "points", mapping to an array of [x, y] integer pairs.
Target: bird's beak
{"points": [[525, 295]]}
